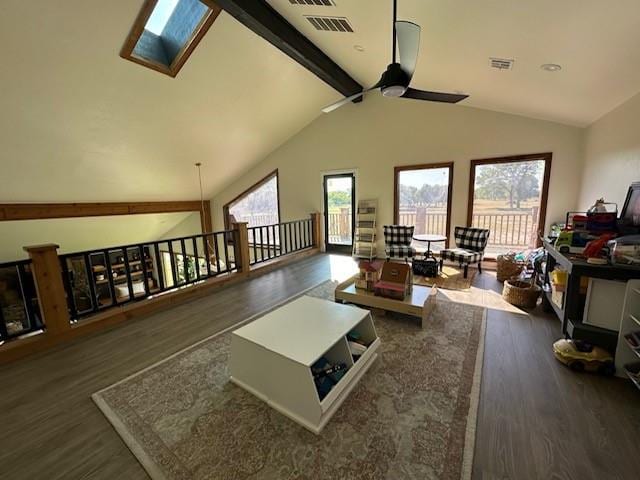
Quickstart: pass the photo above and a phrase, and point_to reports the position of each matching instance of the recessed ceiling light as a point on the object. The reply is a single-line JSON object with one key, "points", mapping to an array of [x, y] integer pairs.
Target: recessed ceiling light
{"points": [[551, 67], [359, 48]]}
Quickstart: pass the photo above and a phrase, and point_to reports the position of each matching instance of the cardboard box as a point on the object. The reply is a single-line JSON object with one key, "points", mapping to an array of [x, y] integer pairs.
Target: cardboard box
{"points": [[395, 281]]}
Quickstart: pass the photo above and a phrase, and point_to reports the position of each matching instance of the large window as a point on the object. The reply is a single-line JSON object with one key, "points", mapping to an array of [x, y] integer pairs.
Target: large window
{"points": [[509, 197], [166, 32], [258, 205], [423, 198]]}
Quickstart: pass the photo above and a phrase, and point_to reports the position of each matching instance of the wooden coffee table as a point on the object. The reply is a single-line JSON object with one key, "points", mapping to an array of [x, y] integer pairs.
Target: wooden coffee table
{"points": [[419, 303]]}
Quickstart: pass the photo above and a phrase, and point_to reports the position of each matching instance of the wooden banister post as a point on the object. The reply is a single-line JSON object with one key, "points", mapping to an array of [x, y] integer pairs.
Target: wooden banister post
{"points": [[243, 247], [317, 236], [47, 275]]}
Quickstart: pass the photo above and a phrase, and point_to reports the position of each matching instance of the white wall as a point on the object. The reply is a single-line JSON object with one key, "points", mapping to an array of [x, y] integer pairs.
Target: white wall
{"points": [[611, 155], [86, 233], [381, 133], [187, 227]]}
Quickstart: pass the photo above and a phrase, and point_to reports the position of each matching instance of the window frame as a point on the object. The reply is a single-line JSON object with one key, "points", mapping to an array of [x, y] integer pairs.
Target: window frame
{"points": [[544, 193], [423, 166], [251, 189], [137, 30]]}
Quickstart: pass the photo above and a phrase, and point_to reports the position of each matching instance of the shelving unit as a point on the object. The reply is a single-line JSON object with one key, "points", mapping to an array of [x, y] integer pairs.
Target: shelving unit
{"points": [[364, 244], [272, 357], [626, 357], [118, 272], [101, 278], [571, 314]]}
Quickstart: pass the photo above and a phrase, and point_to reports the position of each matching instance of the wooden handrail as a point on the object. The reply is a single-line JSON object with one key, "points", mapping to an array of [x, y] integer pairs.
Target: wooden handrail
{"points": [[52, 296]]}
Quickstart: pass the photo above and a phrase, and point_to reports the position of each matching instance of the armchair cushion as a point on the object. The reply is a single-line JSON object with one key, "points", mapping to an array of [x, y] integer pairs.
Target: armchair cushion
{"points": [[461, 256], [470, 242]]}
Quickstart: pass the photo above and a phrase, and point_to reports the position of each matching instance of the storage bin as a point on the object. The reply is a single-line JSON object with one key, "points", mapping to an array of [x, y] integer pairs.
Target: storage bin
{"points": [[508, 267], [521, 294]]}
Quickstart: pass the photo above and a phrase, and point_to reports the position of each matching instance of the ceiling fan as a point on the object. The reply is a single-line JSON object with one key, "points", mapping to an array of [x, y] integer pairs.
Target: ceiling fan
{"points": [[396, 79]]}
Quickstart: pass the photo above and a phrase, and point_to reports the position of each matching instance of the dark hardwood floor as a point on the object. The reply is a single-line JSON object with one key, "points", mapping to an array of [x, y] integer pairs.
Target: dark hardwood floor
{"points": [[537, 420]]}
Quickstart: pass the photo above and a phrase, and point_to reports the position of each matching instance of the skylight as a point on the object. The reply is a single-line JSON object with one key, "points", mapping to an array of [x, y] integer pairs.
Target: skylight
{"points": [[160, 16], [167, 31]]}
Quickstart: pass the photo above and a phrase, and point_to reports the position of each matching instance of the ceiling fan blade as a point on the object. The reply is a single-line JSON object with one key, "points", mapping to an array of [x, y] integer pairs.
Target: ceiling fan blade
{"points": [[344, 101], [434, 96], [408, 45]]}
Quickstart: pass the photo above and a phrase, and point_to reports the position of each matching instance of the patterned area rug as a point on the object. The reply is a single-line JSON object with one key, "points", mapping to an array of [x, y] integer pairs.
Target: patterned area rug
{"points": [[412, 415], [450, 278]]}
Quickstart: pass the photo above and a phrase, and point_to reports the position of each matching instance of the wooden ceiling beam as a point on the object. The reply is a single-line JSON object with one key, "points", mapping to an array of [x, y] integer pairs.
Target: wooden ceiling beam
{"points": [[262, 19], [37, 211]]}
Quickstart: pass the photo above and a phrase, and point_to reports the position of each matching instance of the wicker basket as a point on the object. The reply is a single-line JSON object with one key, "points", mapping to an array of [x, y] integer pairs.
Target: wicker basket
{"points": [[521, 294], [508, 267]]}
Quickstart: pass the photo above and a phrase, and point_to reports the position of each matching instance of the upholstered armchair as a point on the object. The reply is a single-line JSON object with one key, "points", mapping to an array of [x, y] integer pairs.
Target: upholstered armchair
{"points": [[470, 243], [397, 242]]}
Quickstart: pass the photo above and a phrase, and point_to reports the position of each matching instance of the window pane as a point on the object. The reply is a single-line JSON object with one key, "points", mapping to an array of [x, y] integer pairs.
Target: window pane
{"points": [[507, 200], [259, 207], [423, 200]]}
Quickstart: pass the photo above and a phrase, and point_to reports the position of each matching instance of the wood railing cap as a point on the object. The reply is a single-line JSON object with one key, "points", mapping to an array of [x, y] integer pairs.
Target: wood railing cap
{"points": [[41, 248]]}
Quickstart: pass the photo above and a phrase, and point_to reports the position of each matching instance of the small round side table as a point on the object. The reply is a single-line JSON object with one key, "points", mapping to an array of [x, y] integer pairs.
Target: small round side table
{"points": [[429, 239]]}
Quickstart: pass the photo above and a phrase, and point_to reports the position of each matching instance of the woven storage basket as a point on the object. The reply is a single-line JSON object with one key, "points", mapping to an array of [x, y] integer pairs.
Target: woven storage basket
{"points": [[521, 294], [508, 267]]}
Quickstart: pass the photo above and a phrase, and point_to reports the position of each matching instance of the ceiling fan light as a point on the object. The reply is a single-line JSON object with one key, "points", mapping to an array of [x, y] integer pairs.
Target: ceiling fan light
{"points": [[394, 91]]}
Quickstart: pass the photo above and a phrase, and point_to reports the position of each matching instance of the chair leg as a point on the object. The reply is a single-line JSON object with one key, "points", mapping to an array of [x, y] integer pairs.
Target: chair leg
{"points": [[480, 267], [441, 263], [466, 270]]}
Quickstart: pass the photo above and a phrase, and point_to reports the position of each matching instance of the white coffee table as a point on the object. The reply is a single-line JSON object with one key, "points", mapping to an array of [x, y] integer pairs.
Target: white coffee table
{"points": [[271, 357]]}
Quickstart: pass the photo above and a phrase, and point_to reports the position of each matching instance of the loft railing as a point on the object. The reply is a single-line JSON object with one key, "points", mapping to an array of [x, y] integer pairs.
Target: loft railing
{"points": [[66, 296], [96, 280], [272, 241], [19, 310]]}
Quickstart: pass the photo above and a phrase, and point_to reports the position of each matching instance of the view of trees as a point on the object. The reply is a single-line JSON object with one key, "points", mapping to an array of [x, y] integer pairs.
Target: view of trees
{"points": [[513, 182], [339, 198], [427, 195]]}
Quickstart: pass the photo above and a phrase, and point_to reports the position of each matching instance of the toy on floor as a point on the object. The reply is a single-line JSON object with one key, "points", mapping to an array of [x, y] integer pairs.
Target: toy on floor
{"points": [[582, 356], [326, 375]]}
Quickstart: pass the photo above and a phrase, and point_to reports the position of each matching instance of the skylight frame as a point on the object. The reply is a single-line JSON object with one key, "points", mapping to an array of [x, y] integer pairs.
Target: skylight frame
{"points": [[127, 51]]}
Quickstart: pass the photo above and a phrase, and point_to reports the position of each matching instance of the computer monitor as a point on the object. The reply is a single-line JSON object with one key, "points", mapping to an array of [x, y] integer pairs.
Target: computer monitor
{"points": [[630, 215]]}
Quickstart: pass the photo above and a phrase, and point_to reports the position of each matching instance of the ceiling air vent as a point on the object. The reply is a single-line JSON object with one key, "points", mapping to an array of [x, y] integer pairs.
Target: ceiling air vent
{"points": [[326, 3], [501, 63], [330, 24]]}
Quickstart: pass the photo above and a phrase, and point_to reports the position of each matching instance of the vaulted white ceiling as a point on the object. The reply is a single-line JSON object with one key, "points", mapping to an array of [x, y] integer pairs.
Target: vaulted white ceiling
{"points": [[78, 123], [595, 41]]}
